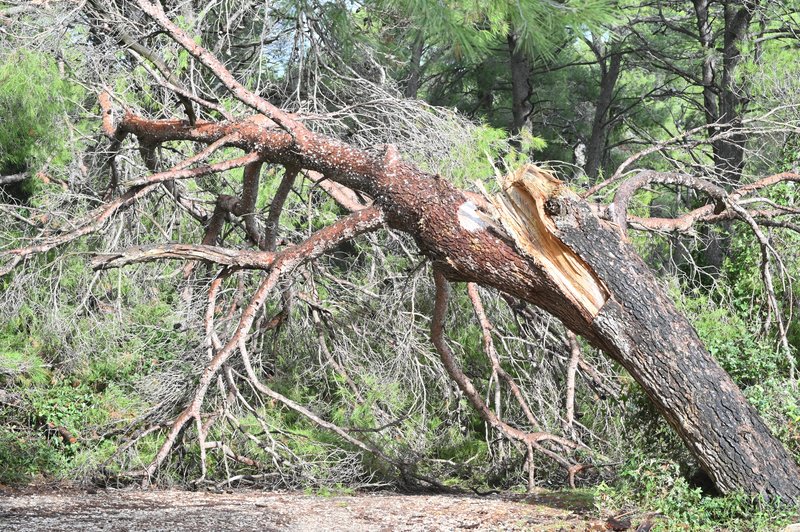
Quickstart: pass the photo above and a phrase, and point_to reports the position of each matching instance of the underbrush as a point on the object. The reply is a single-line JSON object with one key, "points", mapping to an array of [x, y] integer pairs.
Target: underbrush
{"points": [[656, 491]]}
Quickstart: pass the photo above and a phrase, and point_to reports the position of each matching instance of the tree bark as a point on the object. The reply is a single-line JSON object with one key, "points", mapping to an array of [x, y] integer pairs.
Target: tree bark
{"points": [[729, 153], [520, 85], [596, 148], [641, 329], [415, 67], [723, 103]]}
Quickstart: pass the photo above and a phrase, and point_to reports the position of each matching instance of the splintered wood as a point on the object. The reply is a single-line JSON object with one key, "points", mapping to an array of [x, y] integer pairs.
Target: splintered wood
{"points": [[522, 211]]}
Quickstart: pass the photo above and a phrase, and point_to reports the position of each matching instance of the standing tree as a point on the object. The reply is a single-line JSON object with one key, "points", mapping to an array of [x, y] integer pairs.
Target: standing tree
{"points": [[535, 241]]}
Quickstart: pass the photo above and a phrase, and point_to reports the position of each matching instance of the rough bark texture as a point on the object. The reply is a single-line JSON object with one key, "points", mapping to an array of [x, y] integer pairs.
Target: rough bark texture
{"points": [[520, 85], [641, 329], [599, 288]]}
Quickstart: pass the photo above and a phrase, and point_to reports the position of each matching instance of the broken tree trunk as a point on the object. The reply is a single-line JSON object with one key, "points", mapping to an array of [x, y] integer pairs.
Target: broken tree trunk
{"points": [[638, 326], [541, 244]]}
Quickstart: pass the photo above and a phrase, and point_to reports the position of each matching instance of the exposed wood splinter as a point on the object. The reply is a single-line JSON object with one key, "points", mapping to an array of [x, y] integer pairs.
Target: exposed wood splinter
{"points": [[523, 210]]}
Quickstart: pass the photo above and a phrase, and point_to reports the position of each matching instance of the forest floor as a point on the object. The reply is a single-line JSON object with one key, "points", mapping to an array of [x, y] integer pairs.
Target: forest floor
{"points": [[71, 508]]}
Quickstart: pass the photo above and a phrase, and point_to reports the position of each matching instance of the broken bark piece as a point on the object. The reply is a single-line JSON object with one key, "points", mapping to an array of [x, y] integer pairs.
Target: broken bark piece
{"points": [[524, 208]]}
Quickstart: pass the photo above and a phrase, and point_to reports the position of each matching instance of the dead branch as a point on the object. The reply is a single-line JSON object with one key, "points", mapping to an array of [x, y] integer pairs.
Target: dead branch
{"points": [[312, 248], [276, 208], [90, 224], [13, 178], [280, 118], [491, 352], [529, 439], [200, 171], [236, 258], [342, 195], [572, 368], [619, 207]]}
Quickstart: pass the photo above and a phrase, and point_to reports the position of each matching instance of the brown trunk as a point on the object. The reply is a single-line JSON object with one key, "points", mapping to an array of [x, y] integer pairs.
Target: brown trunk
{"points": [[640, 328], [415, 67], [723, 104], [596, 149], [729, 153], [537, 242], [520, 86]]}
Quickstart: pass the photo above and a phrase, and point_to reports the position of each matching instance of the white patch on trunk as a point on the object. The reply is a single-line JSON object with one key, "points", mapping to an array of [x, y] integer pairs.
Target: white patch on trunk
{"points": [[469, 217]]}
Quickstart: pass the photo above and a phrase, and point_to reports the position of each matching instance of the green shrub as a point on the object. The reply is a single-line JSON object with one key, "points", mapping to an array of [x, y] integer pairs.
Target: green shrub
{"points": [[25, 454], [650, 485], [33, 99]]}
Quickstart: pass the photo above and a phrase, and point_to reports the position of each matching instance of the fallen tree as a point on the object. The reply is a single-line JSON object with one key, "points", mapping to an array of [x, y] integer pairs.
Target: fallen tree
{"points": [[536, 241]]}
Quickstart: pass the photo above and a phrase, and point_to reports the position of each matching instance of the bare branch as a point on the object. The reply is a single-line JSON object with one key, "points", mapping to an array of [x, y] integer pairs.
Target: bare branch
{"points": [[235, 258], [276, 208], [282, 119], [465, 384], [13, 178], [311, 248], [619, 207], [200, 171]]}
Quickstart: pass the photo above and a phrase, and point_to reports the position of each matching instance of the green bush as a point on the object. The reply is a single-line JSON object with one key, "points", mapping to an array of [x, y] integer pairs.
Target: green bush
{"points": [[25, 454], [33, 99], [651, 485]]}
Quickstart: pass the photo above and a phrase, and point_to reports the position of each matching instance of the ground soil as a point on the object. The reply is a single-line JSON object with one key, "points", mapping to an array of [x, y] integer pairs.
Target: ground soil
{"points": [[75, 509]]}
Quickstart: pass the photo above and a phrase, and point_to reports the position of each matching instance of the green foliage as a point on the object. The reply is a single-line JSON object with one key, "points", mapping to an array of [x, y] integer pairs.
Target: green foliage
{"points": [[33, 101], [72, 366], [734, 342], [71, 405], [474, 27], [25, 454], [18, 367], [649, 485]]}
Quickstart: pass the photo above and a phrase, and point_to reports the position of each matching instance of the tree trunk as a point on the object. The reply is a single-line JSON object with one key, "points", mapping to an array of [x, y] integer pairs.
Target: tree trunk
{"points": [[724, 105], [640, 328], [729, 153], [414, 76], [520, 86], [596, 149]]}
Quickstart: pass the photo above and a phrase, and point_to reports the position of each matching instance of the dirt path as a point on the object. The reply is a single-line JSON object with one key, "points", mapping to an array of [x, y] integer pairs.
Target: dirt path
{"points": [[123, 510]]}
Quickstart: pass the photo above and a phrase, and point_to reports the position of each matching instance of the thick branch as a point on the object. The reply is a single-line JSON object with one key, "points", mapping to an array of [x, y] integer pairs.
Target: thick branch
{"points": [[235, 258], [276, 208], [619, 207], [13, 178]]}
